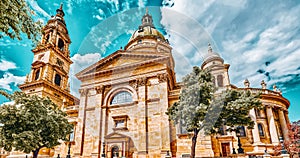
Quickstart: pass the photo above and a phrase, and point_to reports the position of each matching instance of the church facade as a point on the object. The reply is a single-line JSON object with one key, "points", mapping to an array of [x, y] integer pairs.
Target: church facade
{"points": [[124, 97]]}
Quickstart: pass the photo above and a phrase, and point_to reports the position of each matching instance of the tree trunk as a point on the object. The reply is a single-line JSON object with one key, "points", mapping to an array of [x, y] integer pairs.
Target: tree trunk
{"points": [[35, 153], [194, 141]]}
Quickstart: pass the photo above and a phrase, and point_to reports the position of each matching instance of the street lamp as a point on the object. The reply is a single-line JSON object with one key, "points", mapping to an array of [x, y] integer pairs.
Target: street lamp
{"points": [[69, 146], [238, 134], [283, 151], [168, 154], [103, 150], [69, 155]]}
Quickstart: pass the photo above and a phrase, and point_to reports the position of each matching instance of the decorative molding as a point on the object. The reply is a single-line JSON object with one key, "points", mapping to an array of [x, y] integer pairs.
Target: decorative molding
{"points": [[162, 77]]}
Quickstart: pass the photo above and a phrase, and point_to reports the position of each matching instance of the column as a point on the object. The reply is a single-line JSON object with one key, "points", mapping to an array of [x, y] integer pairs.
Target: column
{"points": [[283, 125], [142, 145], [256, 138], [272, 126]]}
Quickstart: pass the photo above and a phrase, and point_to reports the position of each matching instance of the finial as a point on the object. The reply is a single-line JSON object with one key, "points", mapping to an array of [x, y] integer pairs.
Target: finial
{"points": [[61, 5], [209, 48], [247, 83], [263, 84], [147, 10]]}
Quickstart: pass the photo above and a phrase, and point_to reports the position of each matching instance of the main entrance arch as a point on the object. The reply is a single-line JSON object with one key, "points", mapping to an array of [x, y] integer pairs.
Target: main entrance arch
{"points": [[119, 145]]}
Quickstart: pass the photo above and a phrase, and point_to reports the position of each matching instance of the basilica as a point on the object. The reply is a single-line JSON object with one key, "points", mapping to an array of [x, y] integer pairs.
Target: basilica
{"points": [[124, 97]]}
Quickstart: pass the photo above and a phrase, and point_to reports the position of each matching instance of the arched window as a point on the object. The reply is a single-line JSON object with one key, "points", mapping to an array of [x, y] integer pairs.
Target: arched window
{"points": [[121, 98], [220, 80], [57, 79], [261, 130], [37, 74], [242, 131], [61, 44]]}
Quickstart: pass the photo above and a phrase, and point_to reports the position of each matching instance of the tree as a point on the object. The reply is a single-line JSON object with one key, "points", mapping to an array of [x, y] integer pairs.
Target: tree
{"points": [[31, 123], [16, 17], [200, 108], [293, 144]]}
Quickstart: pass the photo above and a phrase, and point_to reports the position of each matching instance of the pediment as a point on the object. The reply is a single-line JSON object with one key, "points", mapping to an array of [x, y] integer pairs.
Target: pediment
{"points": [[120, 59], [115, 135]]}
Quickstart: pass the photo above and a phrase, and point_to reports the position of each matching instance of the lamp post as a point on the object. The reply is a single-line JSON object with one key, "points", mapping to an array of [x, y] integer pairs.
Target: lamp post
{"points": [[103, 150], [168, 154], [283, 151], [69, 150], [238, 134]]}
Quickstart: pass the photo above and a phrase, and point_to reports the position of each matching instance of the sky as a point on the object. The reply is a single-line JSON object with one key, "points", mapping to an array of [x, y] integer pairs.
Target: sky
{"points": [[259, 39]]}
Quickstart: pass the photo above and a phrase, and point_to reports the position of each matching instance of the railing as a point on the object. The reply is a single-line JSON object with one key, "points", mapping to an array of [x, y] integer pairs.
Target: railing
{"points": [[263, 91]]}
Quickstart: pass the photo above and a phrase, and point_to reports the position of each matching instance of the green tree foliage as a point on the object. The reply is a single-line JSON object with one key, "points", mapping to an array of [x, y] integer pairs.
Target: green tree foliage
{"points": [[16, 18], [31, 123], [201, 108]]}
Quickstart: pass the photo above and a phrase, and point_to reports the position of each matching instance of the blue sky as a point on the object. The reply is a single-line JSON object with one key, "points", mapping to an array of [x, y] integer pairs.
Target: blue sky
{"points": [[259, 39]]}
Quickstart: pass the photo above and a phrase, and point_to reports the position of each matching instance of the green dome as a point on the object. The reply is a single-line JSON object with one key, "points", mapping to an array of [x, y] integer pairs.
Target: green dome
{"points": [[147, 29]]}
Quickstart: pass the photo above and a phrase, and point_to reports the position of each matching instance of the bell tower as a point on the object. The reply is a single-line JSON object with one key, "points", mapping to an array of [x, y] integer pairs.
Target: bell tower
{"points": [[51, 63]]}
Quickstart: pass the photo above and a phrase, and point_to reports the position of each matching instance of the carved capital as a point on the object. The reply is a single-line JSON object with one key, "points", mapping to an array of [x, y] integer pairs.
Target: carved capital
{"points": [[83, 92], [162, 77], [133, 84], [99, 89], [142, 81]]}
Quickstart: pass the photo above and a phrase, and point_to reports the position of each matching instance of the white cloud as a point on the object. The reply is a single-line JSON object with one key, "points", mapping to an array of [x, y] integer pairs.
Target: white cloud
{"points": [[80, 62], [9, 79], [7, 65], [277, 44], [37, 8]]}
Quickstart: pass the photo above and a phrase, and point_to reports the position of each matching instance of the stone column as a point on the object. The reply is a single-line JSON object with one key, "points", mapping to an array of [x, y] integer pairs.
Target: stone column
{"points": [[283, 125], [79, 127], [164, 122], [256, 138], [226, 76], [142, 144], [272, 126]]}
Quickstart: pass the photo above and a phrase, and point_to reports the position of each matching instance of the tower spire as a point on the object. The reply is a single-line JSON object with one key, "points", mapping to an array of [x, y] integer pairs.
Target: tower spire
{"points": [[59, 11], [61, 5], [147, 10]]}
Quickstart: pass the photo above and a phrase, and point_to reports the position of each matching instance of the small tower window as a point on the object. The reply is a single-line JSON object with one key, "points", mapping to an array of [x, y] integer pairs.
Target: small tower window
{"points": [[57, 79], [220, 80], [261, 130], [47, 38], [61, 44], [37, 74]]}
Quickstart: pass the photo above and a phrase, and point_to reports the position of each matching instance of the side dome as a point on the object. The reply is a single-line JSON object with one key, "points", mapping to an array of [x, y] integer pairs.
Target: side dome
{"points": [[211, 57]]}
